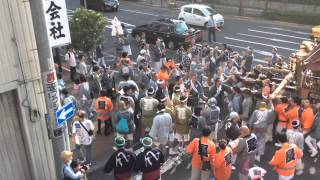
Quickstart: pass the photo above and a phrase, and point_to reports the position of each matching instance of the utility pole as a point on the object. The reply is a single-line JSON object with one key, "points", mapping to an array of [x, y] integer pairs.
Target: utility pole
{"points": [[58, 135]]}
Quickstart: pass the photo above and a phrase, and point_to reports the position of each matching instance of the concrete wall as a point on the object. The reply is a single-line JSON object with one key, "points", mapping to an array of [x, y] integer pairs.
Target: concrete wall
{"points": [[276, 6], [20, 73]]}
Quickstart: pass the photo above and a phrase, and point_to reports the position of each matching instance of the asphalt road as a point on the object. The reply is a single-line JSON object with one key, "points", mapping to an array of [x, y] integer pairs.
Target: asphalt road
{"points": [[238, 33]]}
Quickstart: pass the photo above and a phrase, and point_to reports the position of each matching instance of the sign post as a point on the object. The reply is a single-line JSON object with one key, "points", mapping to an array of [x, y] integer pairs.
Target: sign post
{"points": [[51, 29], [65, 113], [57, 22]]}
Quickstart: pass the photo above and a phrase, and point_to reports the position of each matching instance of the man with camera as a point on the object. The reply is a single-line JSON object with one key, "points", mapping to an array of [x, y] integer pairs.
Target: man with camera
{"points": [[82, 132], [203, 151]]}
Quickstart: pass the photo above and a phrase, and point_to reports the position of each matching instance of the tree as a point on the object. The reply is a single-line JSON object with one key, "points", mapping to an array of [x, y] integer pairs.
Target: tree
{"points": [[87, 27]]}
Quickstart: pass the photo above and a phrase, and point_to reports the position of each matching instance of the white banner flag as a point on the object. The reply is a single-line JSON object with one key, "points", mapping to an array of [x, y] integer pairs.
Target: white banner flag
{"points": [[57, 22]]}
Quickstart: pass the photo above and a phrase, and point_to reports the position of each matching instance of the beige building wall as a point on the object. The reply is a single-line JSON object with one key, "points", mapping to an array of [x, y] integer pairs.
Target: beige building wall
{"points": [[25, 148]]}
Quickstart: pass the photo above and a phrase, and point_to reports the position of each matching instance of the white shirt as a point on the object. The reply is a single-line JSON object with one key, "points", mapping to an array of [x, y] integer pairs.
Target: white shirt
{"points": [[71, 58], [83, 68], [82, 137]]}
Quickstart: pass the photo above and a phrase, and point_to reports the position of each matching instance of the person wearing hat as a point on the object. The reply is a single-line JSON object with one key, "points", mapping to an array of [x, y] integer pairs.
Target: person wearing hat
{"points": [[128, 97], [142, 56], [295, 136], [176, 95], [148, 106], [232, 126], [67, 171], [162, 89], [82, 132], [121, 161], [211, 25], [259, 122], [161, 128], [125, 117], [127, 81], [182, 116], [211, 114], [149, 161]]}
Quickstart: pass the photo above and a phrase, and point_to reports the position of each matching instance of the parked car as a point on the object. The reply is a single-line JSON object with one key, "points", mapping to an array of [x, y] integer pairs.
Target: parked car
{"points": [[196, 14], [102, 5], [173, 32]]}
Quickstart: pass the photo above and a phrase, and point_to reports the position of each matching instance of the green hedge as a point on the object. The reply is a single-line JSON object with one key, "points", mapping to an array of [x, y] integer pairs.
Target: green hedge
{"points": [[292, 17]]}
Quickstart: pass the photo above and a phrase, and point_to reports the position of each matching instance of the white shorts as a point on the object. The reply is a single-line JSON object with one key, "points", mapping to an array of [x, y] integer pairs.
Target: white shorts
{"points": [[128, 137], [182, 137]]}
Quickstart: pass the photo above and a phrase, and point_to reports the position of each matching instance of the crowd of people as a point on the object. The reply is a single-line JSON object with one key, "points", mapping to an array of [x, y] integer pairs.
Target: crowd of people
{"points": [[199, 101]]}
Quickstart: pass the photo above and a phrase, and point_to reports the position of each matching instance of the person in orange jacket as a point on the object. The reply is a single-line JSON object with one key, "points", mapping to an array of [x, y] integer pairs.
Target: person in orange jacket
{"points": [[285, 159], [203, 151], [223, 162], [292, 111], [307, 116], [104, 106]]}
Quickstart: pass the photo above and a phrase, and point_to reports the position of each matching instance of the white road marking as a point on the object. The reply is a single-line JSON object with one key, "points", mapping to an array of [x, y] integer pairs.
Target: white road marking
{"points": [[140, 12], [265, 53], [260, 61], [286, 30], [277, 34], [126, 24], [271, 39], [269, 45]]}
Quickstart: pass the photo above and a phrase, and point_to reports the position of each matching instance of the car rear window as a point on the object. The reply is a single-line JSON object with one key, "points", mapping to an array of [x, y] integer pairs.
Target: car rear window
{"points": [[208, 11], [187, 9], [181, 27]]}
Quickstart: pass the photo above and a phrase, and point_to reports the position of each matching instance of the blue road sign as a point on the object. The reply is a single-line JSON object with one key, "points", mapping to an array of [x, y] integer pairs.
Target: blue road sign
{"points": [[65, 113]]}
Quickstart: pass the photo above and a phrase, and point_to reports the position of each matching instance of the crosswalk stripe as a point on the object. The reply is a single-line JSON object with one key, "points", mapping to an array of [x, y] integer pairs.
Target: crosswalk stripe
{"points": [[286, 30], [277, 34], [271, 39], [257, 43]]}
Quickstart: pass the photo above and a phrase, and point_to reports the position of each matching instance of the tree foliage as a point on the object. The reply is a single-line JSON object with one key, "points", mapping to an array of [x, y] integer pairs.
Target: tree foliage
{"points": [[86, 28]]}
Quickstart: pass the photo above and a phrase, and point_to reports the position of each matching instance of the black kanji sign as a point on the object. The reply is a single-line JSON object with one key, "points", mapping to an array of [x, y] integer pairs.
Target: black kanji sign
{"points": [[55, 25], [56, 29], [203, 150], [228, 159], [251, 144], [53, 10], [290, 155]]}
